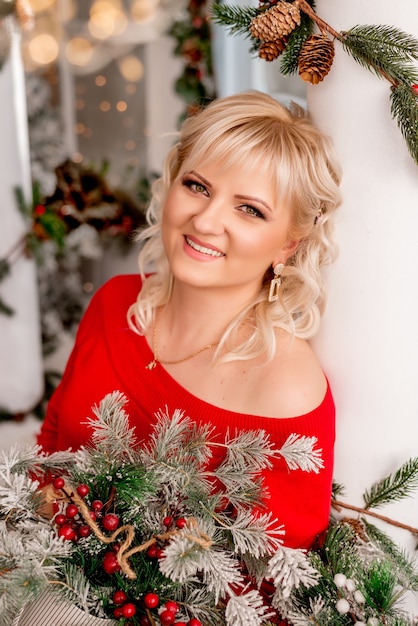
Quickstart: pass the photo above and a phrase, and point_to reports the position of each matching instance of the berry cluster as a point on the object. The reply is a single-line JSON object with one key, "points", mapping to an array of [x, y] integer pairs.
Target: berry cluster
{"points": [[167, 612]]}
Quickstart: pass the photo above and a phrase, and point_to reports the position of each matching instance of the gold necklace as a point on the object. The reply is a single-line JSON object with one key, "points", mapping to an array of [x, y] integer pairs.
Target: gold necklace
{"points": [[152, 364]]}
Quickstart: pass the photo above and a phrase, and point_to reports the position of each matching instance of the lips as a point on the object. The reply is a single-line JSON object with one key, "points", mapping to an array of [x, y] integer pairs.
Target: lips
{"points": [[203, 249]]}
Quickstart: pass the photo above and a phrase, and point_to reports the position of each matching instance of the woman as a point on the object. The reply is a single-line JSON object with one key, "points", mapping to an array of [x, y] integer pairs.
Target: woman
{"points": [[240, 225]]}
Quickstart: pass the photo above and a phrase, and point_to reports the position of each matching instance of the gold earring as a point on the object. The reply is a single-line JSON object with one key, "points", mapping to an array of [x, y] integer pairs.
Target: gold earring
{"points": [[276, 282]]}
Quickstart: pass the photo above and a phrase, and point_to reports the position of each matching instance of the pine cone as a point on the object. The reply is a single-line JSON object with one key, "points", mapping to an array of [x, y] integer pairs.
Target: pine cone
{"points": [[270, 50], [315, 58], [276, 23]]}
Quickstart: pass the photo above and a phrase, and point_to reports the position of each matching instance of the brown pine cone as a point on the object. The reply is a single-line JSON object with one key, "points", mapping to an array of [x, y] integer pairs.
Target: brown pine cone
{"points": [[276, 23], [270, 50], [315, 58]]}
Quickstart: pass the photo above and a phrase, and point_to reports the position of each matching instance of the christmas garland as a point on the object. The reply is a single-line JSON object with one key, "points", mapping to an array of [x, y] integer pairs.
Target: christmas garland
{"points": [[139, 536], [286, 28]]}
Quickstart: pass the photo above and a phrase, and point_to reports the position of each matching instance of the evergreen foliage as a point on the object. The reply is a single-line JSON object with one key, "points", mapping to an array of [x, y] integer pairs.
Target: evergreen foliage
{"points": [[213, 562]]}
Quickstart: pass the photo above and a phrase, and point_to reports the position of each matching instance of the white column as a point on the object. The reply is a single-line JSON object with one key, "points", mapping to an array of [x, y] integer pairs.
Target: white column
{"points": [[20, 344], [369, 338]]}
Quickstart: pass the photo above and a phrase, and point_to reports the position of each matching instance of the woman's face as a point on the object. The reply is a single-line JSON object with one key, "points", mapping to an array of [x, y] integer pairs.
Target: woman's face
{"points": [[222, 228]]}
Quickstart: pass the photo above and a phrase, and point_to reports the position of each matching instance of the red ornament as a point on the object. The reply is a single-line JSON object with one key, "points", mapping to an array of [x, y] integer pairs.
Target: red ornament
{"points": [[167, 618], [128, 609], [151, 600], [67, 532], [118, 612], [84, 530], [110, 563], [181, 522], [110, 521], [71, 511], [83, 490], [60, 519], [39, 209], [58, 483], [119, 597], [172, 606]]}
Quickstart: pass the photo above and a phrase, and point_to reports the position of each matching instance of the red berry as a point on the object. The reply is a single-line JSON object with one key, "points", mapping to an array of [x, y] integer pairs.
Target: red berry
{"points": [[180, 624], [152, 551], [110, 563], [71, 511], [160, 553], [60, 519], [58, 483], [415, 88], [119, 597], [181, 522], [144, 621], [167, 521], [110, 521], [83, 490], [93, 515], [39, 209], [167, 618], [84, 530], [118, 612], [194, 622], [151, 600], [67, 532], [116, 547], [128, 609], [172, 606], [97, 505]]}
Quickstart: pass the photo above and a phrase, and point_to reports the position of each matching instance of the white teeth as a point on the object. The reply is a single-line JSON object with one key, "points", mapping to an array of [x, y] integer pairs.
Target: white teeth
{"points": [[202, 249]]}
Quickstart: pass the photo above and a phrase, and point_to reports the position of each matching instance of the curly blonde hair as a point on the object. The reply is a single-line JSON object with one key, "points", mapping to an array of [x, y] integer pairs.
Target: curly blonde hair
{"points": [[253, 128]]}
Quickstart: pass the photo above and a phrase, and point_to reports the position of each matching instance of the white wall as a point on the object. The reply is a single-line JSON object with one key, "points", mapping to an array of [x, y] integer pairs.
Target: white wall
{"points": [[20, 346]]}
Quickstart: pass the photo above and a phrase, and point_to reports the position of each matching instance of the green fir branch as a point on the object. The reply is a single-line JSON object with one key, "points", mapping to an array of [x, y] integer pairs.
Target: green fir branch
{"points": [[394, 487], [404, 109], [238, 19], [290, 57], [384, 50]]}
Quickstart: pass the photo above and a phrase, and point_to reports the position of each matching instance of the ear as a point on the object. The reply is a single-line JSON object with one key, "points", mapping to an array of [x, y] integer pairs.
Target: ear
{"points": [[286, 252]]}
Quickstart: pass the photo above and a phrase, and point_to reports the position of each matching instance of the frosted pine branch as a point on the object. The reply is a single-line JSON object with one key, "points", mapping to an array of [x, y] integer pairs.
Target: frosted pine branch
{"points": [[250, 451], [289, 568], [299, 453], [246, 609], [111, 433], [254, 534]]}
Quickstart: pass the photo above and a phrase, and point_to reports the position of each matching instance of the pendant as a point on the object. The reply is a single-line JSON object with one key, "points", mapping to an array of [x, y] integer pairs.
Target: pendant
{"points": [[151, 365]]}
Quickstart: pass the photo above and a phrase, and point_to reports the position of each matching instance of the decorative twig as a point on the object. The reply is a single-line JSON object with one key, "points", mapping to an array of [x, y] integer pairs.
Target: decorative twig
{"points": [[338, 505], [322, 25]]}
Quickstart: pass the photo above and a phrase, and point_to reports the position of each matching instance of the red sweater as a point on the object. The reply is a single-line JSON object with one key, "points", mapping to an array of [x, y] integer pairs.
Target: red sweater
{"points": [[108, 356]]}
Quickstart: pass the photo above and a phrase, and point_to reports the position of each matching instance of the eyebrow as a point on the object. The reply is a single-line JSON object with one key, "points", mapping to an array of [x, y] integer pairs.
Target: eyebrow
{"points": [[237, 196]]}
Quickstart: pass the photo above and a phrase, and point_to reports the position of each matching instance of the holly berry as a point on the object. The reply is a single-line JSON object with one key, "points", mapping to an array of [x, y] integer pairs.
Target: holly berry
{"points": [[167, 521], [415, 88], [39, 209], [71, 511], [128, 609], [118, 612], [181, 522], [144, 621], [160, 553], [180, 624], [119, 597], [83, 490], [110, 521], [110, 563], [97, 505], [67, 532], [167, 618], [172, 606], [151, 600], [93, 515], [84, 530], [60, 519], [58, 483], [194, 622], [153, 551]]}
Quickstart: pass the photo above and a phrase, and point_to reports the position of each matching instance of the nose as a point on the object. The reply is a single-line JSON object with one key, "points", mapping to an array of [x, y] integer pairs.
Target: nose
{"points": [[209, 219]]}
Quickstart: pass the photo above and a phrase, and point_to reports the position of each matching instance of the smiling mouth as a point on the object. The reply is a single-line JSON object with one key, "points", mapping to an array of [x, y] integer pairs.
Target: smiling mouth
{"points": [[202, 249]]}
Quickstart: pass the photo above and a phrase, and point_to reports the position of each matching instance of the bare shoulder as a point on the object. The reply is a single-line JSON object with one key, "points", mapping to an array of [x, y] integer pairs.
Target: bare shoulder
{"points": [[294, 382]]}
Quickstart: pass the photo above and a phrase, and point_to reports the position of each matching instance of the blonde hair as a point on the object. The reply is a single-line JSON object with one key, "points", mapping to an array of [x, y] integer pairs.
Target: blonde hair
{"points": [[253, 128]]}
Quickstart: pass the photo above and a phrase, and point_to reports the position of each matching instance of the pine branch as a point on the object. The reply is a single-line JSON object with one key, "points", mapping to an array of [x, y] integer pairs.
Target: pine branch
{"points": [[394, 487], [247, 609], [290, 57], [338, 505], [384, 50], [238, 19], [404, 108]]}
